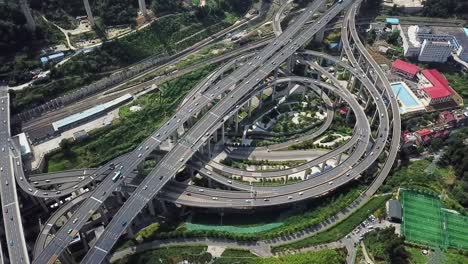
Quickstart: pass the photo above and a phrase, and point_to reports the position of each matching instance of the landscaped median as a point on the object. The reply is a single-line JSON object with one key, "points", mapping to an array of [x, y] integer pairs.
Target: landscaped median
{"points": [[339, 230]]}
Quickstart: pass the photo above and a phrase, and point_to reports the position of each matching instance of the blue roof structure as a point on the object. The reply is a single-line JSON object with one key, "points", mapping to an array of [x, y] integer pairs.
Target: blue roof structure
{"points": [[89, 112], [333, 45], [466, 31], [44, 59], [56, 56], [392, 21]]}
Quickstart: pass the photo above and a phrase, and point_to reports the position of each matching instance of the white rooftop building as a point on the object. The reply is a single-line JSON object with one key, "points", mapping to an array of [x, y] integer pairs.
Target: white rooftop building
{"points": [[434, 44]]}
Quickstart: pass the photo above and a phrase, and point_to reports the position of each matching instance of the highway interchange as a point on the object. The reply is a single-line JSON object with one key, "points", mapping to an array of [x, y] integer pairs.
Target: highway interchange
{"points": [[227, 94]]}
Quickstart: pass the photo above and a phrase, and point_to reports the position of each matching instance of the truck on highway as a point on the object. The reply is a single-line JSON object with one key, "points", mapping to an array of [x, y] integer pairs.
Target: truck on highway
{"points": [[117, 176]]}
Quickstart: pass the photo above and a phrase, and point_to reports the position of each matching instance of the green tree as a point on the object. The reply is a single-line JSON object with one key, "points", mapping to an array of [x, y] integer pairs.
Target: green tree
{"points": [[371, 37], [393, 38]]}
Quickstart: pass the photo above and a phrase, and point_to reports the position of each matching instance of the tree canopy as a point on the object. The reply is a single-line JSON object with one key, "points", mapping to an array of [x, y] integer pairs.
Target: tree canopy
{"points": [[446, 8]]}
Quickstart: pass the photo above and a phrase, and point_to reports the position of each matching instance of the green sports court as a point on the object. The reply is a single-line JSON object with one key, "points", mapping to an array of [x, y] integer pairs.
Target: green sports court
{"points": [[426, 222]]}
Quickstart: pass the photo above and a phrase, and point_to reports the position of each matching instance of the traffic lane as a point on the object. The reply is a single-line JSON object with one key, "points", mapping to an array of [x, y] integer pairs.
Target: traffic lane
{"points": [[208, 114]]}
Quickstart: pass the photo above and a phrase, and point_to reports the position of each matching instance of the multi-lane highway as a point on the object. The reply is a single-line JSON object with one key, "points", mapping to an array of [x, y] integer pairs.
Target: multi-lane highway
{"points": [[10, 206], [226, 94], [63, 237], [196, 136]]}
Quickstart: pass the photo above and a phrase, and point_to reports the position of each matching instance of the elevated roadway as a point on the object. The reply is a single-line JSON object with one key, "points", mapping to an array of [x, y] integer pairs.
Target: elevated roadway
{"points": [[63, 237], [193, 139], [12, 221], [186, 149]]}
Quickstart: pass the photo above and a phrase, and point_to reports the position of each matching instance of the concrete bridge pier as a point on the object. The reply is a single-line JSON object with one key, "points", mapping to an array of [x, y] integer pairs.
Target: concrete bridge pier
{"points": [[66, 257], [130, 232], [143, 10], [42, 203], [27, 14], [338, 160], [323, 165], [260, 99], [222, 133], [89, 13], [151, 207], [373, 118], [162, 206]]}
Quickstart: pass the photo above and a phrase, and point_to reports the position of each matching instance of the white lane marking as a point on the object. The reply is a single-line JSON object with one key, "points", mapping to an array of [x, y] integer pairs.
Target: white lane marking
{"points": [[97, 200], [214, 114], [98, 248], [156, 139], [6, 205]]}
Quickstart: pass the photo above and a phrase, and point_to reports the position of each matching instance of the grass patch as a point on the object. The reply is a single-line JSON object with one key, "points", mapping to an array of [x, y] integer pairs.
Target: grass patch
{"points": [[341, 229], [147, 231], [328, 256], [424, 175], [170, 255], [416, 256]]}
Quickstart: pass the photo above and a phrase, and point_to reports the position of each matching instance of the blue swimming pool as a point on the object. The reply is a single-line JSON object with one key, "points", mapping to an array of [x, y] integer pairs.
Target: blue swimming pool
{"points": [[404, 95]]}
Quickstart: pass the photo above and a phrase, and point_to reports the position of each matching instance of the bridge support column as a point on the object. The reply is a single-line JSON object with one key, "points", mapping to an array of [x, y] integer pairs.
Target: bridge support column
{"points": [[208, 145], [318, 37], [210, 183], [43, 205], [339, 158], [368, 102], [27, 14], [66, 258], [348, 115], [322, 167], [120, 197], [163, 206], [84, 240], [102, 211], [89, 12], [143, 10], [222, 133], [373, 118], [130, 232], [260, 100], [151, 207]]}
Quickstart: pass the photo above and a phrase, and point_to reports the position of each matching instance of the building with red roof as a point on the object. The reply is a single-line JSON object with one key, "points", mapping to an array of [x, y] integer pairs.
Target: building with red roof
{"points": [[405, 69], [436, 89]]}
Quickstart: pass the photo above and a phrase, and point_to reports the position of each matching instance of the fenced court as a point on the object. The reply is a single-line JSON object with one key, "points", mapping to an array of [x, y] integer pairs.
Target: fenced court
{"points": [[425, 222], [457, 227]]}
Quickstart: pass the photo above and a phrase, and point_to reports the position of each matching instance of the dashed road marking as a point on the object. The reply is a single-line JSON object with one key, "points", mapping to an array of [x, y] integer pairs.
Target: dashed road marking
{"points": [[97, 200], [98, 248]]}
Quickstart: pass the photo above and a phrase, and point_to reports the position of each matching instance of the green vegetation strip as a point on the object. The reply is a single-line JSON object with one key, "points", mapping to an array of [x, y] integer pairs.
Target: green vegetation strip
{"points": [[233, 229], [173, 255], [339, 230], [199, 254], [237, 256]]}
